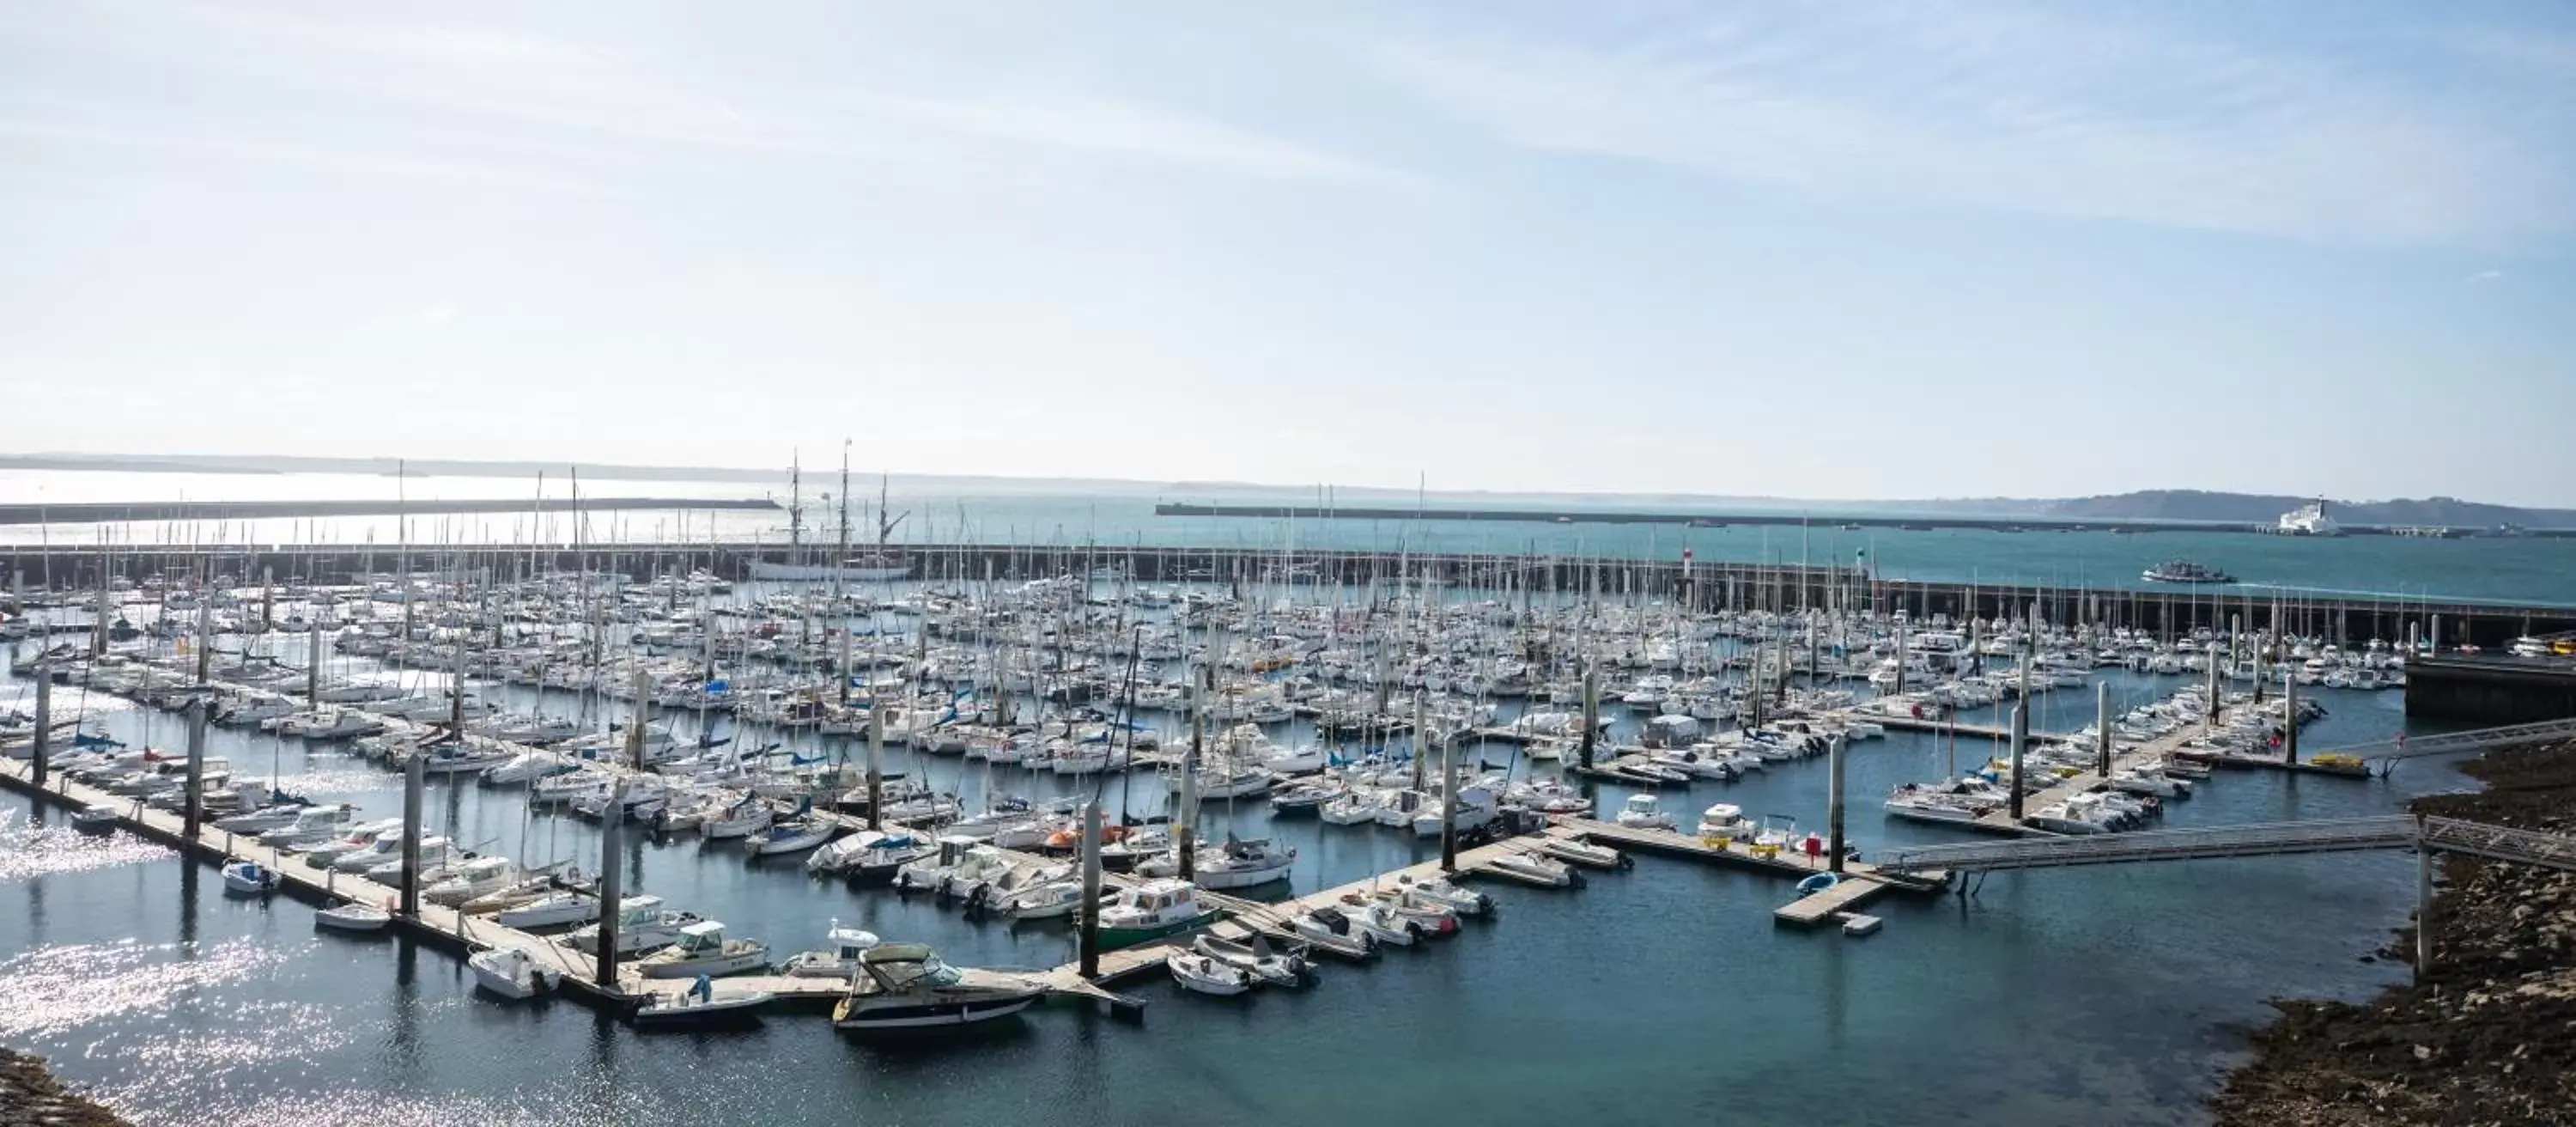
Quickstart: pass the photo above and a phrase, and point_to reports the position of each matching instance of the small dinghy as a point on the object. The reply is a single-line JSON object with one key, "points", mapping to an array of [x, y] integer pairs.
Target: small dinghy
{"points": [[95, 820], [1818, 883], [246, 878], [1203, 974], [353, 917]]}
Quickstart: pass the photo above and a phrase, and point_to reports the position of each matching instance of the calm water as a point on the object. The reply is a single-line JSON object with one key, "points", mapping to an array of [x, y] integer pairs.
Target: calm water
{"points": [[1664, 994], [2520, 571]]}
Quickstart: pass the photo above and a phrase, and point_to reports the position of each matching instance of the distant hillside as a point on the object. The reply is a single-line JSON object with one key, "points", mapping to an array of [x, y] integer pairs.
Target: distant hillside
{"points": [[2252, 508]]}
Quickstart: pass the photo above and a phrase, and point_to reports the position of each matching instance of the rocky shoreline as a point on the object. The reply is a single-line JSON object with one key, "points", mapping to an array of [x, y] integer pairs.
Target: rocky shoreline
{"points": [[31, 1097], [2489, 1035]]}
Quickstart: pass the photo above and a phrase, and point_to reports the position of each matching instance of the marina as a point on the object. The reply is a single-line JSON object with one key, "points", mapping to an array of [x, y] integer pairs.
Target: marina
{"points": [[1790, 684]]}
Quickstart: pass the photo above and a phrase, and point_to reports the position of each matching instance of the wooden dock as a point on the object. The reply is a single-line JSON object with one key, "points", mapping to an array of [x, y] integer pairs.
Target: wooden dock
{"points": [[1861, 881]]}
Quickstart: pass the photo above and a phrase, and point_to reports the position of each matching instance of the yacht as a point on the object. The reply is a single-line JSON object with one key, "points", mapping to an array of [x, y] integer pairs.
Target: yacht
{"points": [[905, 986]]}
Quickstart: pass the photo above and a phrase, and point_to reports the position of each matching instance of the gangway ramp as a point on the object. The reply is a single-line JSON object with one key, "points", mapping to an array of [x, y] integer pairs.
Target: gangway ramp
{"points": [[2395, 831], [2450, 743]]}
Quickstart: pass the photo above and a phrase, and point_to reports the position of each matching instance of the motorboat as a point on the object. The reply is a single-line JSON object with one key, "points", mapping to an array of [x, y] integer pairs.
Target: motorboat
{"points": [[1205, 974], [1546, 872], [1255, 957], [511, 973], [1461, 901], [1724, 822], [905, 986], [840, 961], [1152, 910], [702, 949], [249, 879], [353, 917], [698, 1007], [312, 824], [1644, 812], [94, 820], [1585, 853], [1043, 901], [1328, 928], [356, 838], [642, 925], [878, 861]]}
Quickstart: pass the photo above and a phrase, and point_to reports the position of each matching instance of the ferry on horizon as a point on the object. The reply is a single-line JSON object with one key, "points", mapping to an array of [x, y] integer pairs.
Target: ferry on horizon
{"points": [[2185, 571]]}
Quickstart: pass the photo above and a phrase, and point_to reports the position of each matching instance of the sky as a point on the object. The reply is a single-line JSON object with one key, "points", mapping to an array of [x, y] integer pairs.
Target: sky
{"points": [[1822, 250]]}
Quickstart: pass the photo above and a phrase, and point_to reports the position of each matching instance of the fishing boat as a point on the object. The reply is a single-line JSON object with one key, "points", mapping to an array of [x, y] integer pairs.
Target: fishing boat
{"points": [[905, 987], [1041, 902], [2185, 571], [249, 879], [1152, 910], [511, 973], [702, 949], [1644, 812]]}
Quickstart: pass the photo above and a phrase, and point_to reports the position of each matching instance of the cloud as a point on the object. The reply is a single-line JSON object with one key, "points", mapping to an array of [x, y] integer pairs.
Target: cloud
{"points": [[435, 315], [240, 147], [1098, 125], [2000, 108], [2486, 276]]}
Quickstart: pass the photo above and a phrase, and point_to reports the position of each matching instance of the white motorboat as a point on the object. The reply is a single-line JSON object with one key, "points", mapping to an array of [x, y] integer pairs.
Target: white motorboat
{"points": [[1042, 902], [694, 1008], [905, 986], [312, 824], [511, 973], [1725, 821], [1152, 910], [1203, 974], [1644, 812], [1546, 872], [642, 925], [841, 961], [702, 949], [356, 838], [353, 917], [1461, 901], [1330, 929], [249, 879]]}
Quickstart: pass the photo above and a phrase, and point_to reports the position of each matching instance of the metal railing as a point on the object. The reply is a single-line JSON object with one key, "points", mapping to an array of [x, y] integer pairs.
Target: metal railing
{"points": [[2448, 743], [2396, 831], [2392, 831], [2502, 843]]}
